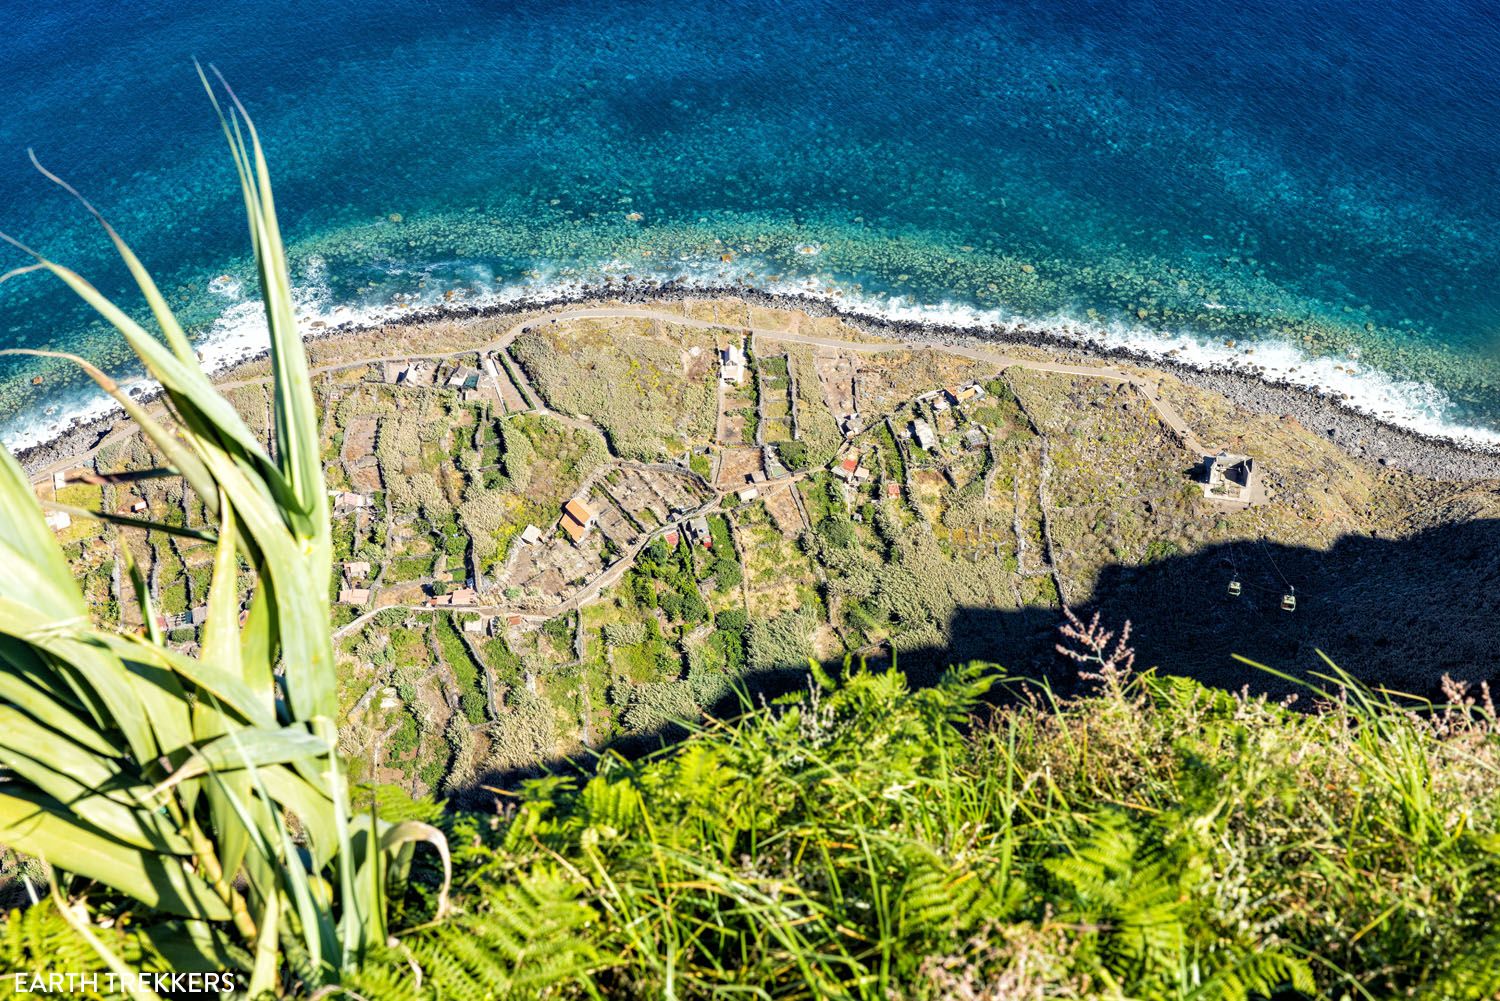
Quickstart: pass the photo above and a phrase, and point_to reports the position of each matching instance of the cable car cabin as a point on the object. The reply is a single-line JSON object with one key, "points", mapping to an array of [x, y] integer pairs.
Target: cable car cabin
{"points": [[1234, 589], [1289, 602]]}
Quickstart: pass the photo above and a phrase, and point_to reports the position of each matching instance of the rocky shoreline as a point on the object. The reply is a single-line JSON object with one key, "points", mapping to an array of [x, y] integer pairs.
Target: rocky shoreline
{"points": [[1360, 435]]}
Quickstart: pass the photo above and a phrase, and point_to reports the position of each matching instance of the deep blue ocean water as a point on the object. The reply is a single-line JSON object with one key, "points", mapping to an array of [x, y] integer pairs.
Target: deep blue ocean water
{"points": [[1310, 182]]}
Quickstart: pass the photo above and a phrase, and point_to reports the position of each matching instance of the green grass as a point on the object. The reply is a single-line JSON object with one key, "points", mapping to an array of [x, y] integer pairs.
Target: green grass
{"points": [[470, 697], [1156, 839]]}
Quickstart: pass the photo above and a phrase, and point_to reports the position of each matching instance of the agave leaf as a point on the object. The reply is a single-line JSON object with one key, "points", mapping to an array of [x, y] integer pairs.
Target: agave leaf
{"points": [[263, 976], [29, 685], [256, 645], [188, 945], [40, 826], [50, 604], [126, 521], [221, 632], [132, 476], [184, 381], [249, 748], [221, 647], [412, 832], [316, 924], [170, 445], [93, 786], [300, 598], [30, 549], [142, 589], [296, 415], [310, 805], [97, 678], [362, 922], [208, 678]]}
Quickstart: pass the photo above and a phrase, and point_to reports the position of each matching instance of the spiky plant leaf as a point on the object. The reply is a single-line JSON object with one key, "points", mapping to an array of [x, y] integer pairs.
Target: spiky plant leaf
{"points": [[166, 777]]}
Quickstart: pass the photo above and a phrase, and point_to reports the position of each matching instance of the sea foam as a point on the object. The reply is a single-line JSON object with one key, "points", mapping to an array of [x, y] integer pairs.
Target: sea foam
{"points": [[240, 335]]}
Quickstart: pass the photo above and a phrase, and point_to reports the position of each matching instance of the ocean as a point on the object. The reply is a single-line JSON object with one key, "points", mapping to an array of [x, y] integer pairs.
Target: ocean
{"points": [[1303, 189]]}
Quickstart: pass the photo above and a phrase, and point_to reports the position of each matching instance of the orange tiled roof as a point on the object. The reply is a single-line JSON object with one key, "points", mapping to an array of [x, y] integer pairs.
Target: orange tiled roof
{"points": [[579, 511]]}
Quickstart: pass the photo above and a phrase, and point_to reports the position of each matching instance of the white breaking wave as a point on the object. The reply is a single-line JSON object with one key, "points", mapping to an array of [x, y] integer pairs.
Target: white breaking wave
{"points": [[1407, 403], [240, 334]]}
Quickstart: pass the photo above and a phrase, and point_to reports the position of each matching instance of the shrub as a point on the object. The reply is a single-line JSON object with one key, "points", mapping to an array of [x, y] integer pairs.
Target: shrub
{"points": [[782, 642], [628, 633], [728, 572], [793, 454], [1154, 839]]}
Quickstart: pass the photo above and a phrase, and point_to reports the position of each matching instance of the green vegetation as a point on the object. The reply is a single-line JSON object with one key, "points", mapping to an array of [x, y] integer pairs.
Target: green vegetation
{"points": [[1155, 839], [155, 784], [816, 428], [543, 460], [793, 454], [465, 671], [632, 386]]}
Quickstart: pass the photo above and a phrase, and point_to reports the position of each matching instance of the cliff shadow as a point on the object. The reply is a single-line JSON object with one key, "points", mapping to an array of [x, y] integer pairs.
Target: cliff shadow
{"points": [[1398, 613]]}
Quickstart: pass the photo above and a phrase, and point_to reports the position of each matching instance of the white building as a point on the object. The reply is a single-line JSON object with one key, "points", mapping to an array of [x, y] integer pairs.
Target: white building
{"points": [[922, 431], [732, 365]]}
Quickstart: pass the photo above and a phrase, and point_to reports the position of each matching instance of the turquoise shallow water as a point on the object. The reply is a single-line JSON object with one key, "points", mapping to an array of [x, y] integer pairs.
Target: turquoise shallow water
{"points": [[1306, 182]]}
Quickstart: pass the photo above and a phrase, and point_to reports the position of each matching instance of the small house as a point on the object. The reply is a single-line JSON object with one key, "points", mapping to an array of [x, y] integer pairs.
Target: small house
{"points": [[577, 519], [672, 538], [347, 500], [958, 396], [198, 616], [747, 494], [354, 596], [402, 374], [1230, 479], [355, 570], [732, 365], [579, 512], [699, 533], [463, 377], [531, 535], [58, 520]]}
